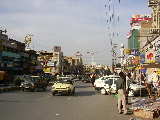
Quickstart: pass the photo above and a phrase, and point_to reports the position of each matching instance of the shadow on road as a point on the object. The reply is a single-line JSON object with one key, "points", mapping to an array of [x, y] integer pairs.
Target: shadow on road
{"points": [[84, 93], [84, 86]]}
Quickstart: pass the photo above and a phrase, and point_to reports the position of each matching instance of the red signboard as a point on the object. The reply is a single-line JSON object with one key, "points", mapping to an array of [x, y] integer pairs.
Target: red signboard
{"points": [[141, 17]]}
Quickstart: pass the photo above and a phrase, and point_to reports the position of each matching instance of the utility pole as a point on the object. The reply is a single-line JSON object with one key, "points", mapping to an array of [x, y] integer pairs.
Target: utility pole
{"points": [[114, 46], [92, 53], [122, 54]]}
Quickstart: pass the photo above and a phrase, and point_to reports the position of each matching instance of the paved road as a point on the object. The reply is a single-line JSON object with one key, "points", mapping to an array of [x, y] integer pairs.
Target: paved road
{"points": [[86, 104]]}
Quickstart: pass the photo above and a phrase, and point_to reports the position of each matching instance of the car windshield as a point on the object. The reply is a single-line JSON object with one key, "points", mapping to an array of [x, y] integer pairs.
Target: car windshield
{"points": [[65, 81], [33, 79], [133, 81], [67, 78], [111, 81], [107, 77]]}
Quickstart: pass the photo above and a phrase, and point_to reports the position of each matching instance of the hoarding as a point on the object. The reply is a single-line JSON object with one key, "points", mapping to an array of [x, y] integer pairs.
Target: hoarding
{"points": [[128, 51], [50, 63], [134, 52], [150, 56], [57, 48], [142, 58], [141, 17]]}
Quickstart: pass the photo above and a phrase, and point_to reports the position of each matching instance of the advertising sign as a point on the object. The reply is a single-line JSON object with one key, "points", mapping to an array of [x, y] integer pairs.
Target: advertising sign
{"points": [[135, 60], [129, 34], [142, 58], [150, 56], [134, 52], [157, 51], [141, 17], [10, 64], [47, 70], [128, 51], [50, 63], [57, 48]]}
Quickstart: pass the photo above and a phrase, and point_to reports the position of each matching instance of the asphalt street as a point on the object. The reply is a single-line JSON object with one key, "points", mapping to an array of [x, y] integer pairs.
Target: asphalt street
{"points": [[85, 104]]}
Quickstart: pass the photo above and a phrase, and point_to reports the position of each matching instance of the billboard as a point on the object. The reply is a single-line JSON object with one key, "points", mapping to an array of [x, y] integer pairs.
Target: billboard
{"points": [[128, 51], [50, 63], [142, 58], [57, 48], [141, 17], [150, 56], [134, 52]]}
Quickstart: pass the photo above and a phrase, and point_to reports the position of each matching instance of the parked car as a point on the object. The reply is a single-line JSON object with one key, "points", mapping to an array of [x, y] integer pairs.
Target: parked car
{"points": [[34, 83], [63, 86], [86, 79], [109, 86], [100, 82], [135, 89]]}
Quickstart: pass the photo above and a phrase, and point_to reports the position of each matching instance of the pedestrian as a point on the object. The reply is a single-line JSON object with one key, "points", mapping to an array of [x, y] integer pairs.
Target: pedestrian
{"points": [[121, 89], [155, 79], [129, 80], [141, 78], [93, 79]]}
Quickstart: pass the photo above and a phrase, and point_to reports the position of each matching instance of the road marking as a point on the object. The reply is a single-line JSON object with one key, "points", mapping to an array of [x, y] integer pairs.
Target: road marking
{"points": [[43, 98]]}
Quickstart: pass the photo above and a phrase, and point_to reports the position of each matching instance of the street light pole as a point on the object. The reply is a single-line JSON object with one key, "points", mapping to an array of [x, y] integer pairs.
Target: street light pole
{"points": [[92, 53]]}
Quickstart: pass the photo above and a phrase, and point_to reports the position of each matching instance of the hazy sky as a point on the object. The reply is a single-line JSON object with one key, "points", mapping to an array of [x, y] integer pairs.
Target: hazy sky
{"points": [[75, 25]]}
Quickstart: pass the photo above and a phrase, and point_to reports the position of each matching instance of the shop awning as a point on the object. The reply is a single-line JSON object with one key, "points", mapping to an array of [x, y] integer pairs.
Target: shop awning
{"points": [[151, 65]]}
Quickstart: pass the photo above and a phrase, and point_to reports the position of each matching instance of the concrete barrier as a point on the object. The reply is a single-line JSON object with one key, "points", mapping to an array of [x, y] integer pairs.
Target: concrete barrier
{"points": [[12, 88]]}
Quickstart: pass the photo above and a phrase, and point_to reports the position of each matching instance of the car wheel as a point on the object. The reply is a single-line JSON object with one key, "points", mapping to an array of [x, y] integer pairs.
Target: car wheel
{"points": [[53, 94], [73, 91], [103, 91], [22, 89], [44, 88]]}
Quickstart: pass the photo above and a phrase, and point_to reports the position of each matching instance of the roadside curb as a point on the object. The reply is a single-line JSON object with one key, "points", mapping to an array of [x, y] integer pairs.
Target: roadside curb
{"points": [[13, 88]]}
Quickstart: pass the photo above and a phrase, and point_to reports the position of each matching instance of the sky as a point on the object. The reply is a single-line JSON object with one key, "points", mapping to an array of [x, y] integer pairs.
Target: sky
{"points": [[75, 25]]}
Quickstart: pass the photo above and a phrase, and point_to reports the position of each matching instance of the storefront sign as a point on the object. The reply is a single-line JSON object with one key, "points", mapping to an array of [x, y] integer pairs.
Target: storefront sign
{"points": [[150, 56], [50, 63], [134, 52], [141, 17], [128, 51], [142, 58]]}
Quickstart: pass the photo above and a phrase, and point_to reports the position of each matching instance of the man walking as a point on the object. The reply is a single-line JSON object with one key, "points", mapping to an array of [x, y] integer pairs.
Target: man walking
{"points": [[120, 89]]}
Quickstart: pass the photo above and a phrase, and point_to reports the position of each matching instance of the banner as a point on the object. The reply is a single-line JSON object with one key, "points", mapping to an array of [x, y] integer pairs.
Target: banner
{"points": [[141, 17]]}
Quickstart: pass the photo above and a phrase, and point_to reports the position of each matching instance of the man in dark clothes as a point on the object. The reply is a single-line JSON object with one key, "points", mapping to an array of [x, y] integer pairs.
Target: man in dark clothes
{"points": [[120, 89], [93, 79]]}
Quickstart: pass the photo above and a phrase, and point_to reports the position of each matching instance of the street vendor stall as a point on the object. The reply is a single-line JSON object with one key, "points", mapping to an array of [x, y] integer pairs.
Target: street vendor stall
{"points": [[146, 107]]}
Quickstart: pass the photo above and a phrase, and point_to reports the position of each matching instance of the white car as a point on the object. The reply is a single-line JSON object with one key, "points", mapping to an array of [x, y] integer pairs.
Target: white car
{"points": [[110, 88], [135, 89], [100, 82]]}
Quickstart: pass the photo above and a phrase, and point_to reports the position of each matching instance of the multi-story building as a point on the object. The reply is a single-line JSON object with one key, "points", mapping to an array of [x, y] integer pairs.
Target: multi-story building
{"points": [[138, 35], [143, 45], [55, 63], [14, 58]]}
